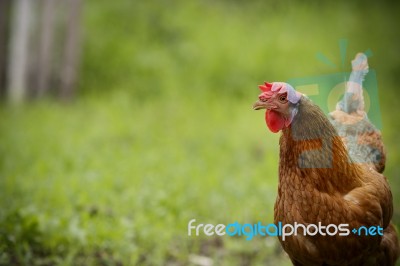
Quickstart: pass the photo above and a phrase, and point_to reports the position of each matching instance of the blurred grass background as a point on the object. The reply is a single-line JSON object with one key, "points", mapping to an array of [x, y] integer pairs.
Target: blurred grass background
{"points": [[162, 131]]}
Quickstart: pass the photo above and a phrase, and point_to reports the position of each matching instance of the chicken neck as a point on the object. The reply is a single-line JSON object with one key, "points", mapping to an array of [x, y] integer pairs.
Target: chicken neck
{"points": [[312, 153]]}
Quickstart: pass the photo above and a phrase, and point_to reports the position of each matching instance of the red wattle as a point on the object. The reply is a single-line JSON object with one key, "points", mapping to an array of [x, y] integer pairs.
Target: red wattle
{"points": [[275, 121]]}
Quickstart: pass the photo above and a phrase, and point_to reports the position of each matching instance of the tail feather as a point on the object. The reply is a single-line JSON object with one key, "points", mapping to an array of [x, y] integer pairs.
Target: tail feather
{"points": [[353, 100]]}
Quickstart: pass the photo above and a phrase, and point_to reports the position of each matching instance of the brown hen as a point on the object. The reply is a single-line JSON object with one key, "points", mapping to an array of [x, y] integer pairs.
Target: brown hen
{"points": [[330, 173]]}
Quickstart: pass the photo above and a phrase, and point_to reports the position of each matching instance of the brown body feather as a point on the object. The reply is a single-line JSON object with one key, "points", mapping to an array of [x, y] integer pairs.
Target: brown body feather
{"points": [[318, 182]]}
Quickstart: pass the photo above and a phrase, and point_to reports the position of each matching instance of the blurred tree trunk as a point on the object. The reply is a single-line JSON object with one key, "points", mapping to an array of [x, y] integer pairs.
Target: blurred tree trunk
{"points": [[46, 46], [4, 32], [43, 41], [71, 50], [18, 55]]}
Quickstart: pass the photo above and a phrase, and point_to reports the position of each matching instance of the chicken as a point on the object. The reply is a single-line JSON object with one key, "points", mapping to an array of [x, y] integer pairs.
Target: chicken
{"points": [[330, 173]]}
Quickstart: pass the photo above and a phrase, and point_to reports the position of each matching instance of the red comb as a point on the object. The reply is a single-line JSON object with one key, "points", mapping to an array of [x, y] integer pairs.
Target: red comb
{"points": [[266, 87]]}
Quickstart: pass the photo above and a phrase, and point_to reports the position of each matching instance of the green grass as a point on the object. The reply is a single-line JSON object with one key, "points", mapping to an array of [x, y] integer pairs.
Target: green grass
{"points": [[116, 181]]}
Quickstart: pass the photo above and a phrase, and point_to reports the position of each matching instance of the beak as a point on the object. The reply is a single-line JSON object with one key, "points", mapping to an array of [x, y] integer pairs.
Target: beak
{"points": [[260, 105]]}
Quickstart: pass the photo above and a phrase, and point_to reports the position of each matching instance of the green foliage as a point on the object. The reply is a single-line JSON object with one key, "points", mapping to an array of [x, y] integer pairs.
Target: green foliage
{"points": [[202, 47], [162, 130]]}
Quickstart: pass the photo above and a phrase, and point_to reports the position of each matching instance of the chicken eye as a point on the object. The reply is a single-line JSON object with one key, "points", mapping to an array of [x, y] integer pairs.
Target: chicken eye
{"points": [[282, 98]]}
